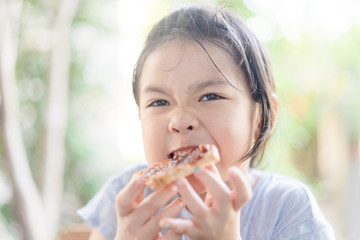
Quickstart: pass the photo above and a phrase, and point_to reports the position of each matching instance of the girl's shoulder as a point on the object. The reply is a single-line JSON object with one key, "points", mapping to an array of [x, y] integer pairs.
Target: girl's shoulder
{"points": [[279, 191], [285, 207], [274, 183]]}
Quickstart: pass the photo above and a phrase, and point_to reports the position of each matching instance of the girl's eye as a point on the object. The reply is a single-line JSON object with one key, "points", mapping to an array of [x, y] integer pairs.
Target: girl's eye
{"points": [[159, 103], [210, 97]]}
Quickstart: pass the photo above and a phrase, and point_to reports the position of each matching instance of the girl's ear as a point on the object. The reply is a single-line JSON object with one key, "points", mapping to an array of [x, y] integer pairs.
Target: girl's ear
{"points": [[258, 122], [275, 108]]}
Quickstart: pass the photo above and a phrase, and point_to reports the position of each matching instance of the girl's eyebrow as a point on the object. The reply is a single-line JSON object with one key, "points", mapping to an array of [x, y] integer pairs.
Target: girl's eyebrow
{"points": [[207, 83], [154, 89]]}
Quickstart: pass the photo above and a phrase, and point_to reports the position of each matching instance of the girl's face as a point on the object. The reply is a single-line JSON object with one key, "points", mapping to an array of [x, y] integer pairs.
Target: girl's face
{"points": [[185, 101]]}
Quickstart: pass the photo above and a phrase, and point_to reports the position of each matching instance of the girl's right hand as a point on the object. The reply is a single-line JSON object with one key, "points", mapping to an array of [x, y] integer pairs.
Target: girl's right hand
{"points": [[136, 218]]}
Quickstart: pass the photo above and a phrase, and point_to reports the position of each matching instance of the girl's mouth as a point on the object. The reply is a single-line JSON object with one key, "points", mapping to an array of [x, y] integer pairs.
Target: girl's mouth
{"points": [[182, 151]]}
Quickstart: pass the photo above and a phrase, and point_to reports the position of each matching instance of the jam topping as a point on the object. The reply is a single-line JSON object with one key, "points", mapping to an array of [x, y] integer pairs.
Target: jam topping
{"points": [[187, 156]]}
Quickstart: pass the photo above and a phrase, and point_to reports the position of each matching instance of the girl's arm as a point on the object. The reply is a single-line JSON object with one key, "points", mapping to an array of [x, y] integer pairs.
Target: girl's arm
{"points": [[96, 235]]}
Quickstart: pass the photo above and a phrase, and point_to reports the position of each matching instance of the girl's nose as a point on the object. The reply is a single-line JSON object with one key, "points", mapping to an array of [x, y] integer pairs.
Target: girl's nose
{"points": [[182, 122]]}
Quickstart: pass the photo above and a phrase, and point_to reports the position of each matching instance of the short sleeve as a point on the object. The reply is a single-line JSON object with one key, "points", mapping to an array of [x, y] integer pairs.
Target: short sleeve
{"points": [[100, 211], [301, 218]]}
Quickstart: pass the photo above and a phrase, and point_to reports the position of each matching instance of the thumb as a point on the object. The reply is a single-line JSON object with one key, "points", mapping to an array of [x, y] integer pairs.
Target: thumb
{"points": [[140, 196]]}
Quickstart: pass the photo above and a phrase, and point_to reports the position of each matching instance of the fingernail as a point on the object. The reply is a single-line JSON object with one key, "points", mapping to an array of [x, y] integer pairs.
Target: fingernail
{"points": [[197, 169], [166, 226]]}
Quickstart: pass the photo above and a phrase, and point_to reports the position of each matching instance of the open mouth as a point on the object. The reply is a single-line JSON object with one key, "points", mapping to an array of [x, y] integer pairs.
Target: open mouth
{"points": [[181, 152]]}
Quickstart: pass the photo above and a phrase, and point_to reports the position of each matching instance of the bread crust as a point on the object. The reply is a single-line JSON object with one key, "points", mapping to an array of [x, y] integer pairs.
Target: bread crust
{"points": [[162, 173]]}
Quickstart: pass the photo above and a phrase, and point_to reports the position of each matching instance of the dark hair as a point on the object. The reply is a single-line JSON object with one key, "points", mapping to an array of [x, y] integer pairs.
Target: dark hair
{"points": [[228, 31]]}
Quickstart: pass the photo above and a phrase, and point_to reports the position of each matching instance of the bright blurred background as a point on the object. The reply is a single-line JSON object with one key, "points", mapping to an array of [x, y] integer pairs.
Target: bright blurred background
{"points": [[315, 49]]}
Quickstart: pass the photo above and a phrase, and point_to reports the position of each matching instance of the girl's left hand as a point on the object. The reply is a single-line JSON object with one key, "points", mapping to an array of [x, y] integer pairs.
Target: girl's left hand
{"points": [[218, 217]]}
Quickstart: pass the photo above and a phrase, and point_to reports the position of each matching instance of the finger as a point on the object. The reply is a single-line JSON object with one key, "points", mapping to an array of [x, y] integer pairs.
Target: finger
{"points": [[196, 184], [170, 236], [212, 167], [209, 200], [140, 195], [170, 211], [178, 226], [154, 202], [193, 201], [242, 192], [218, 190], [126, 200]]}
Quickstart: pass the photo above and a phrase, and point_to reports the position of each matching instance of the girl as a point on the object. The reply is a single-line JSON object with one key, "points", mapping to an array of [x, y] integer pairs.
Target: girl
{"points": [[203, 77]]}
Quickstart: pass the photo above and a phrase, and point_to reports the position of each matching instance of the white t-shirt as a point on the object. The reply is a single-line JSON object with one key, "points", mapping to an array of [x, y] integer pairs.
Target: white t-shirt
{"points": [[281, 208]]}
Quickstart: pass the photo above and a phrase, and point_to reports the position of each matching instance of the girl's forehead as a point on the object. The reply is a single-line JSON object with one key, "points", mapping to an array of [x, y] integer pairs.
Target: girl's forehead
{"points": [[175, 50], [185, 56]]}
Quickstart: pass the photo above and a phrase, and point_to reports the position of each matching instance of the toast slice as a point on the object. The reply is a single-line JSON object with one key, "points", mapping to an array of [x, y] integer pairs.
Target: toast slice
{"points": [[182, 164]]}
